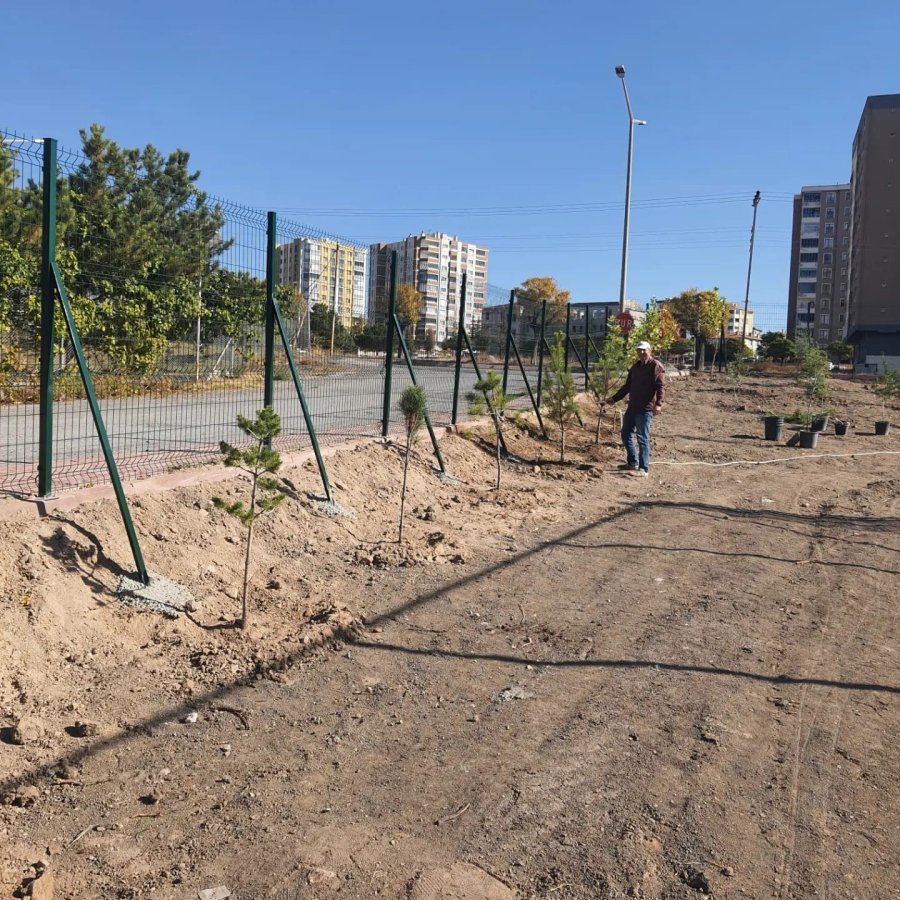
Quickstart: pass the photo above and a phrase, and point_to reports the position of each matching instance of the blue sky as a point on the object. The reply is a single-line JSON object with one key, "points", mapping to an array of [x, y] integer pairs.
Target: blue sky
{"points": [[377, 120]]}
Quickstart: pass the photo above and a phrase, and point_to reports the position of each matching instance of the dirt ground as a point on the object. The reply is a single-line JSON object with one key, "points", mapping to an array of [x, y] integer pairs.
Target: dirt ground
{"points": [[584, 685]]}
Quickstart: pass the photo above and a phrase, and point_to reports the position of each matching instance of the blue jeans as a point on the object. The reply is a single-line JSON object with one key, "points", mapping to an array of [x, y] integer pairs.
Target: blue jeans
{"points": [[639, 422]]}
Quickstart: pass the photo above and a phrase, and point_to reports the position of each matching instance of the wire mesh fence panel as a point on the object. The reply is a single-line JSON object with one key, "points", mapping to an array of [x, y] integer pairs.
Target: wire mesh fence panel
{"points": [[167, 289], [338, 354], [21, 175]]}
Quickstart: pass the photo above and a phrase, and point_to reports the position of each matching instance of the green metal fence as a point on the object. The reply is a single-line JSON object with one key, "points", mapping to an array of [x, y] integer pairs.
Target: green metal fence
{"points": [[168, 292]]}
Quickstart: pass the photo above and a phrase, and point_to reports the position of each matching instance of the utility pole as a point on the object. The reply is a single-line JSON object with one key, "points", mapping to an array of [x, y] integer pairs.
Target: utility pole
{"points": [[749, 269]]}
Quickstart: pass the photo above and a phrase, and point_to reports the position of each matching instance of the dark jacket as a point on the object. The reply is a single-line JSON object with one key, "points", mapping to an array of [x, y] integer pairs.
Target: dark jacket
{"points": [[645, 386]]}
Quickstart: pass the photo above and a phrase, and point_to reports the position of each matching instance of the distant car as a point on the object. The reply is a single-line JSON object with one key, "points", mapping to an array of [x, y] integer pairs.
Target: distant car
{"points": [[830, 365]]}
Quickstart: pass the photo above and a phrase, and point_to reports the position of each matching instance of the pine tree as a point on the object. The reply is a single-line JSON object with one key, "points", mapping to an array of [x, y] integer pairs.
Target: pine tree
{"points": [[259, 461], [412, 405], [559, 394], [608, 371], [492, 398]]}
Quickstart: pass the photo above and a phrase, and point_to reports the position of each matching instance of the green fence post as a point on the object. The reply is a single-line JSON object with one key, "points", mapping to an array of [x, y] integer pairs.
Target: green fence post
{"points": [[587, 342], [412, 376], [534, 405], [111, 466], [460, 328], [509, 318], [542, 341], [487, 398], [307, 418], [48, 304], [389, 348], [269, 376]]}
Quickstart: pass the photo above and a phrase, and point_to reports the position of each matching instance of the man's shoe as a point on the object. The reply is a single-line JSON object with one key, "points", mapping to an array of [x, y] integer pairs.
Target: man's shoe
{"points": [[639, 473], [628, 467]]}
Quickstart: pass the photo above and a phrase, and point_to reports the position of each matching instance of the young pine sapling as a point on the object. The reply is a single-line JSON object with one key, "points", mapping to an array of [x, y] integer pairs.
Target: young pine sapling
{"points": [[412, 405], [492, 397], [260, 462], [608, 371], [886, 387], [559, 393]]}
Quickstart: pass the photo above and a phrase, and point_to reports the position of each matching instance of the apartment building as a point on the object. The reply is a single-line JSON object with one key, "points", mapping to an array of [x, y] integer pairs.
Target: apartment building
{"points": [[434, 264], [820, 252], [326, 272], [874, 300]]}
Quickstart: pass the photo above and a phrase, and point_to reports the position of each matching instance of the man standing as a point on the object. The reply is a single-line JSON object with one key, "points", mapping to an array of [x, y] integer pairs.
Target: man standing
{"points": [[645, 387]]}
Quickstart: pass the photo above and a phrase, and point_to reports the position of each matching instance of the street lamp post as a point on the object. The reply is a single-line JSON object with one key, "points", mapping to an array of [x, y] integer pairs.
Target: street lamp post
{"points": [[632, 121]]}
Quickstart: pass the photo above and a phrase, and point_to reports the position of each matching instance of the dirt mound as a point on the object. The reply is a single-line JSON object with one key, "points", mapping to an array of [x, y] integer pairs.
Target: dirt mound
{"points": [[582, 685]]}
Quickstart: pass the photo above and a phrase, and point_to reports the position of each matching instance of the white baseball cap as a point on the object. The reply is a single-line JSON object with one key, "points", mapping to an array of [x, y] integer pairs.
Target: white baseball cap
{"points": [[643, 345]]}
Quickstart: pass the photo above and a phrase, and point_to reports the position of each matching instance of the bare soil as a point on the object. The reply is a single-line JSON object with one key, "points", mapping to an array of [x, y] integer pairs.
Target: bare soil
{"points": [[585, 685]]}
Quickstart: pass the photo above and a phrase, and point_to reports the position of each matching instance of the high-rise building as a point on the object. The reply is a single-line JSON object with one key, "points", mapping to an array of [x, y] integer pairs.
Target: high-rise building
{"points": [[434, 264], [874, 302], [820, 250], [326, 272]]}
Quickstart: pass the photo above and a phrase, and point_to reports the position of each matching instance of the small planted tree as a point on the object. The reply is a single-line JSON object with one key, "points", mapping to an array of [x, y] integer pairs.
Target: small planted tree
{"points": [[260, 462], [812, 376], [608, 371], [496, 402], [886, 387], [412, 405], [735, 371], [559, 393]]}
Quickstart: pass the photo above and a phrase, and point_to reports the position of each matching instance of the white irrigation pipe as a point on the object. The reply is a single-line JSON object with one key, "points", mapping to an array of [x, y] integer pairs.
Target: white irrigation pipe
{"points": [[766, 462]]}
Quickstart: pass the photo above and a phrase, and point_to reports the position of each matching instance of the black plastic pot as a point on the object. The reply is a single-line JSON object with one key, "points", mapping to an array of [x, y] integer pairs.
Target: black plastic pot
{"points": [[882, 427], [774, 427], [809, 440], [840, 428], [820, 423]]}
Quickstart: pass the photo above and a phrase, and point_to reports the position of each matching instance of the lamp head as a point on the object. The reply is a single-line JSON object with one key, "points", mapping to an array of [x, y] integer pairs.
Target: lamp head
{"points": [[620, 71]]}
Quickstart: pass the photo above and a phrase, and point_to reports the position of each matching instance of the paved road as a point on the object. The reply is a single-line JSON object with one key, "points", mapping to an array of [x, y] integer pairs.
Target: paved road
{"points": [[151, 434]]}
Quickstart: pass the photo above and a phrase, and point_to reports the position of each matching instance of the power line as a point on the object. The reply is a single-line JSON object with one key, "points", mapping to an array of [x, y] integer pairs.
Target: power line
{"points": [[544, 209]]}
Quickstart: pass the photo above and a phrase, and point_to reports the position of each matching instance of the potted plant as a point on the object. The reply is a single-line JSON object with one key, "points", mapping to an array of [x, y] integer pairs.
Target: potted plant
{"points": [[821, 420], [887, 387], [773, 425], [812, 376], [840, 427]]}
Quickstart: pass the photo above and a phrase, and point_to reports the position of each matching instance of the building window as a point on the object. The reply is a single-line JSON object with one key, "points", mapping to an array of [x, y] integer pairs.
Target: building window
{"points": [[843, 257], [809, 257], [826, 289], [829, 212], [812, 198], [829, 228], [809, 242], [828, 243], [807, 273], [810, 212], [823, 334], [830, 197], [809, 228], [806, 288]]}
